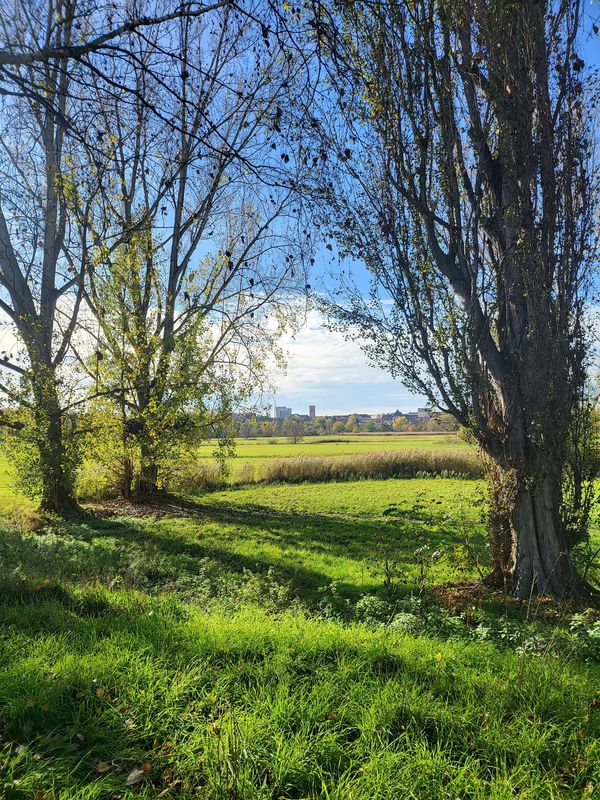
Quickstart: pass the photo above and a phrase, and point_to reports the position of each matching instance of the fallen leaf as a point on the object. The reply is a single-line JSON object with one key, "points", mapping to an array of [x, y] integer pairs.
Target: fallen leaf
{"points": [[166, 791], [102, 767], [135, 776]]}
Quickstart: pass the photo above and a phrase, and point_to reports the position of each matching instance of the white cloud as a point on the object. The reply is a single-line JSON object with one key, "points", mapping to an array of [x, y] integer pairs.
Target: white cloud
{"points": [[326, 369]]}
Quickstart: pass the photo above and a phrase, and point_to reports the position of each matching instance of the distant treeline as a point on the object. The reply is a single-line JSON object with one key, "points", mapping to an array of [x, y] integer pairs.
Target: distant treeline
{"points": [[296, 427]]}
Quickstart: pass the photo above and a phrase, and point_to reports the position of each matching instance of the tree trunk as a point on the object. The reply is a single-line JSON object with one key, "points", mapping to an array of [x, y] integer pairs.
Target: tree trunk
{"points": [[529, 549], [126, 478], [57, 490], [148, 477]]}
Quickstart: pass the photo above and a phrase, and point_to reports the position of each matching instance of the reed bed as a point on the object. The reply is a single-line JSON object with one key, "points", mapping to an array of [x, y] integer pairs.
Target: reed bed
{"points": [[379, 464]]}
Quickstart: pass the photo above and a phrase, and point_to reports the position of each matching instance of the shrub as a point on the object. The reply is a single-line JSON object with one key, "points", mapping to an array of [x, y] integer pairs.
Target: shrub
{"points": [[187, 478]]}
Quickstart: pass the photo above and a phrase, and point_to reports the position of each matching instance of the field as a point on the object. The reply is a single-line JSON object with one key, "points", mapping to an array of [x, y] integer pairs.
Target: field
{"points": [[286, 641], [336, 445], [258, 452]]}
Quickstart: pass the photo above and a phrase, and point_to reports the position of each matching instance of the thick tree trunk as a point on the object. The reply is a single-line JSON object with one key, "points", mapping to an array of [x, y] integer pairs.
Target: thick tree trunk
{"points": [[147, 484], [57, 490], [126, 479], [529, 548]]}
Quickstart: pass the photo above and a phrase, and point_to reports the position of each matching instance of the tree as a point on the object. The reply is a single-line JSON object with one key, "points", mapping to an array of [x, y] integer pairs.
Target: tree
{"points": [[442, 422], [63, 66], [49, 52], [195, 258], [399, 423], [293, 428], [39, 296], [352, 424], [459, 171]]}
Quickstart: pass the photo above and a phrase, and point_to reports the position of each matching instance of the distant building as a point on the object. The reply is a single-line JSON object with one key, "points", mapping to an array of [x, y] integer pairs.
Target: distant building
{"points": [[422, 413], [312, 412], [281, 412]]}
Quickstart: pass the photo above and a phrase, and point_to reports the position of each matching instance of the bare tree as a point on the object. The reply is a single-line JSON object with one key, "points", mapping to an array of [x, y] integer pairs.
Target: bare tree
{"points": [[35, 34], [459, 170]]}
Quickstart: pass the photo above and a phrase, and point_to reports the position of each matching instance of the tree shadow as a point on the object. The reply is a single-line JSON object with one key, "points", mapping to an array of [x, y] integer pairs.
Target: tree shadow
{"points": [[270, 540]]}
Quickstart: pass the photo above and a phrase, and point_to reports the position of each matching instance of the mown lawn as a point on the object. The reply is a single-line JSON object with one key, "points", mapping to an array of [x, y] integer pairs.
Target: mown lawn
{"points": [[337, 444]]}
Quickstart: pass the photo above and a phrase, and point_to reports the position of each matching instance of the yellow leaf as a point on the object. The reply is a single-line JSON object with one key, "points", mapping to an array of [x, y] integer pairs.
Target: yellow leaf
{"points": [[102, 767]]}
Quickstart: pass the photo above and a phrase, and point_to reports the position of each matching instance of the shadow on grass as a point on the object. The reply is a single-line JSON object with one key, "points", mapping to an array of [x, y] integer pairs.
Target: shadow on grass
{"points": [[281, 540]]}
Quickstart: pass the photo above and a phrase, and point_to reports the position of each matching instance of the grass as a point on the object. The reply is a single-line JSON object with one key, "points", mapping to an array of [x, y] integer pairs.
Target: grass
{"points": [[196, 705], [283, 641], [336, 444], [258, 453], [378, 464]]}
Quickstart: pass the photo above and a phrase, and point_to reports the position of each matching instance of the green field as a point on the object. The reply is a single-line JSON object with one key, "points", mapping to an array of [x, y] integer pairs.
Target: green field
{"points": [[259, 451], [286, 642], [336, 445]]}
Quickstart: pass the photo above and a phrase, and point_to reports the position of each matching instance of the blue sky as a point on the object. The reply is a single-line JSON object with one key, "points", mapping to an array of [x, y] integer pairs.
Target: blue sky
{"points": [[332, 373]]}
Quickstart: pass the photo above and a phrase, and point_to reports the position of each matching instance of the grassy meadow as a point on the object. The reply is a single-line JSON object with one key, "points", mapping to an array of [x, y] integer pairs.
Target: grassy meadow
{"points": [[337, 445], [286, 641]]}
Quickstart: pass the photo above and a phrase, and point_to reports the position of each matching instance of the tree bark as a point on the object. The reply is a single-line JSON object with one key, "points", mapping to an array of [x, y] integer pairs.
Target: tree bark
{"points": [[147, 484], [530, 552], [57, 487]]}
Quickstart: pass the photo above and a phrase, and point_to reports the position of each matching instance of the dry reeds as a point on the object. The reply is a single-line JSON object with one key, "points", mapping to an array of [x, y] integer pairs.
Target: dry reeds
{"points": [[380, 464]]}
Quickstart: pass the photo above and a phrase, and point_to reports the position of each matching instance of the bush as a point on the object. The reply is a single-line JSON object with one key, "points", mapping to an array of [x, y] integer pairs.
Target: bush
{"points": [[187, 478]]}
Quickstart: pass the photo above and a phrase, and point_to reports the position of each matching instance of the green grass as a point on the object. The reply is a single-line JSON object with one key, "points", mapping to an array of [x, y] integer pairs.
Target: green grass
{"points": [[258, 451], [337, 444], [309, 535], [254, 706], [246, 645]]}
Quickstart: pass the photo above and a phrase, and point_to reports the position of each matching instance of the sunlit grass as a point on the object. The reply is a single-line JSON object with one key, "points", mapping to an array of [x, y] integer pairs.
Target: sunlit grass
{"points": [[209, 648], [97, 688]]}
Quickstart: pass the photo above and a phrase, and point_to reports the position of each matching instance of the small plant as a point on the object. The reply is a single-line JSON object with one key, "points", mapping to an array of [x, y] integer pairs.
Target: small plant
{"points": [[386, 563]]}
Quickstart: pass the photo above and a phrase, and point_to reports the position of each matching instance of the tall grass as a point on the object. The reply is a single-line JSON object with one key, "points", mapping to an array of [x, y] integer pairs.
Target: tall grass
{"points": [[379, 464]]}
